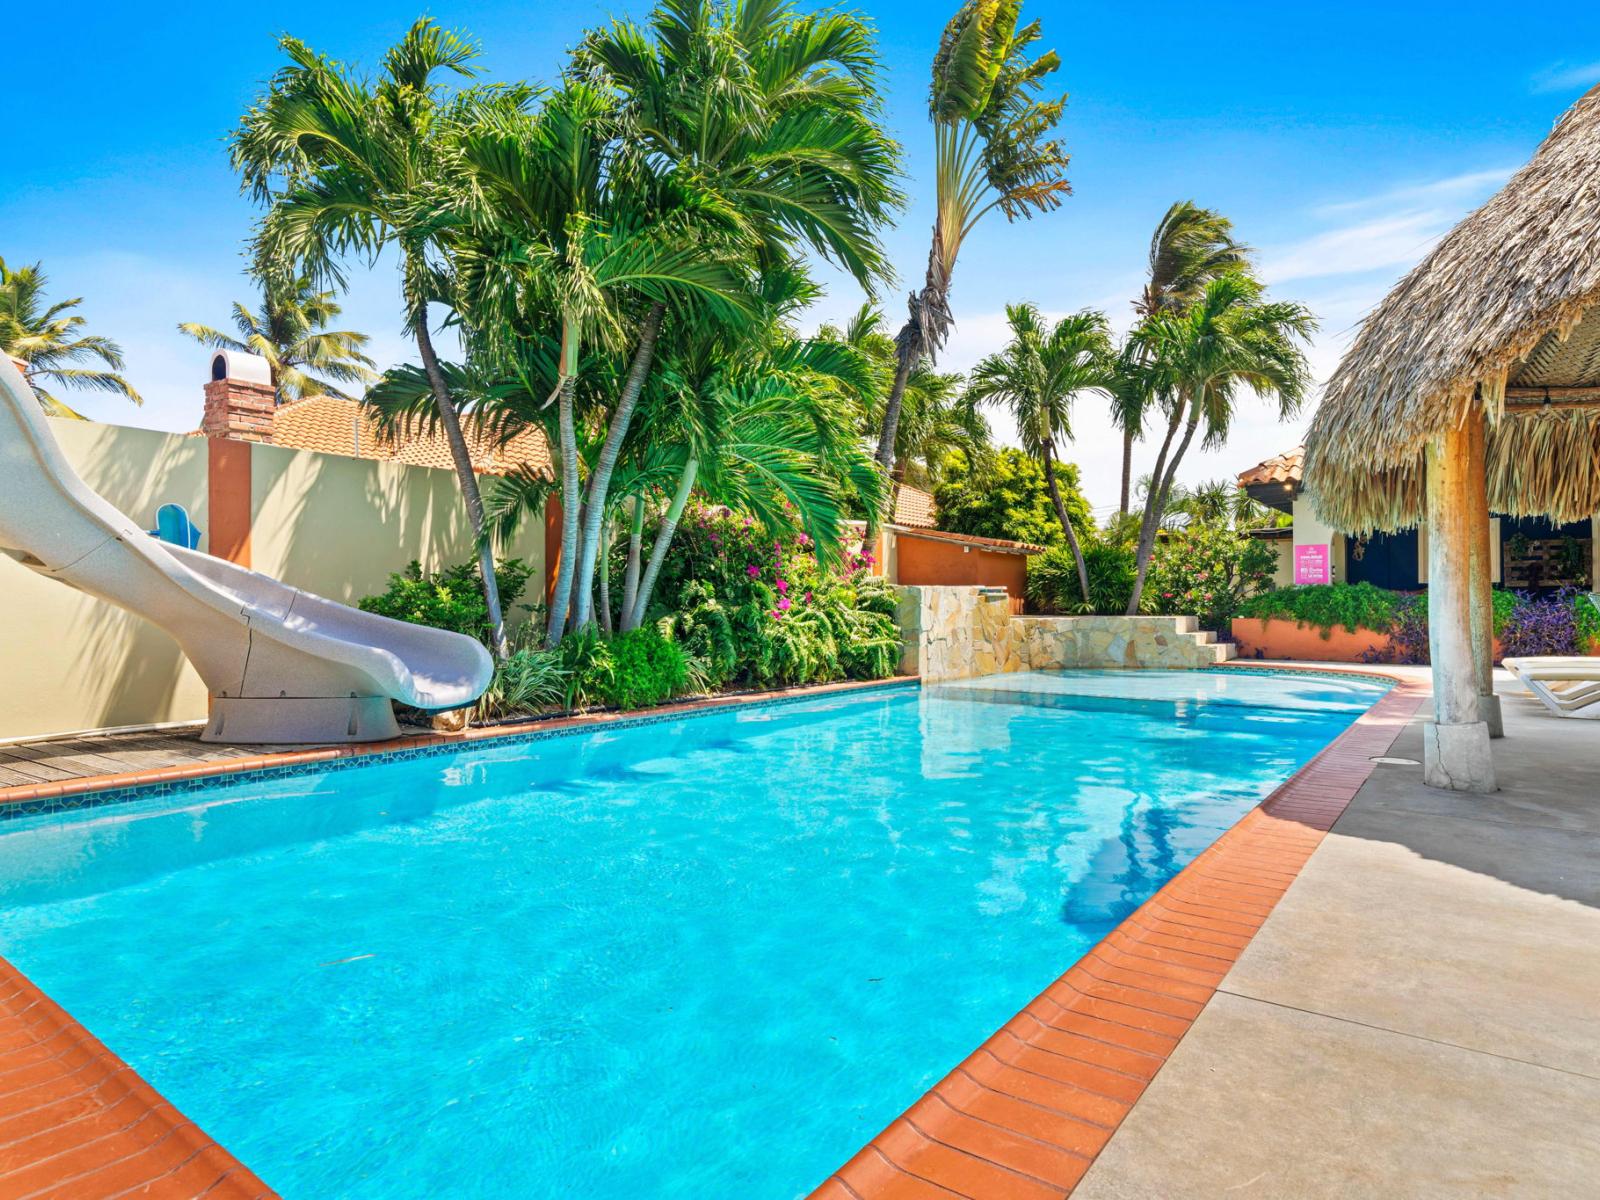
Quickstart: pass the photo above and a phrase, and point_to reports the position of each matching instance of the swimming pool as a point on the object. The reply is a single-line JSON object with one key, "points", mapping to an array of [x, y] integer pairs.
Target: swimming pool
{"points": [[699, 957]]}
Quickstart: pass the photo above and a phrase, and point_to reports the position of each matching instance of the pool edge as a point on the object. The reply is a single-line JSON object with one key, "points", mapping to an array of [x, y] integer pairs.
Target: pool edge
{"points": [[1025, 1114], [74, 795]]}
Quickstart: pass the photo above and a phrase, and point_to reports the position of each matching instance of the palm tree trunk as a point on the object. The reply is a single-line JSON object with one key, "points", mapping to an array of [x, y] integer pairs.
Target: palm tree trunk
{"points": [[600, 480], [658, 553], [605, 576], [1066, 524], [630, 577], [1156, 505], [467, 478], [927, 325], [1127, 470], [1151, 517], [905, 362], [561, 598]]}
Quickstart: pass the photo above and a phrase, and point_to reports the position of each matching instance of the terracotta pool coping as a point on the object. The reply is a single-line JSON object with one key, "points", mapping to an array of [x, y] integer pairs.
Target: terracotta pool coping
{"points": [[1023, 1117]]}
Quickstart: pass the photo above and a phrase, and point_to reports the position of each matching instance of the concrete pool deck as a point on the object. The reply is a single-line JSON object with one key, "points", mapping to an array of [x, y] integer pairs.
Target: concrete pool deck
{"points": [[1419, 1016]]}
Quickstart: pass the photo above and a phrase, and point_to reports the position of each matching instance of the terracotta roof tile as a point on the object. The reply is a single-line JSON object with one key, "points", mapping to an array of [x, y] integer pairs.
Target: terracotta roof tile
{"points": [[914, 507], [1282, 468], [330, 425]]}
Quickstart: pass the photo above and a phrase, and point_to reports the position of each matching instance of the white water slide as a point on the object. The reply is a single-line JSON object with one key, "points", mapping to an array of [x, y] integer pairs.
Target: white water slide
{"points": [[282, 666]]}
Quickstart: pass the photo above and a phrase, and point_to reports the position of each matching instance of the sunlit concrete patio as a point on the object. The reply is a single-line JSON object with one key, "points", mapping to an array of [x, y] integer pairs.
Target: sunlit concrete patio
{"points": [[1420, 1015]]}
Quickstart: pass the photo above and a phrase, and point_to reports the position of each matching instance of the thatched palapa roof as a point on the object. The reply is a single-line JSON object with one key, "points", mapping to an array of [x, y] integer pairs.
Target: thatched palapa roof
{"points": [[1503, 313]]}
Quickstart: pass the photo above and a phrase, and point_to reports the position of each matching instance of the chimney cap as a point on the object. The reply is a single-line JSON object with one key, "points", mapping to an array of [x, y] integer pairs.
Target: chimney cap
{"points": [[240, 366]]}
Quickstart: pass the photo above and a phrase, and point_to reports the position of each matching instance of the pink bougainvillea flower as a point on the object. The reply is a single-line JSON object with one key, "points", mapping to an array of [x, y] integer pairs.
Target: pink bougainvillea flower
{"points": [[782, 585], [808, 597], [783, 603], [748, 522], [752, 570]]}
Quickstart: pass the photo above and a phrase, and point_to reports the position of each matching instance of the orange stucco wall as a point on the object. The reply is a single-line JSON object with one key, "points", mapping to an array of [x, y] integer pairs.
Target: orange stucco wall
{"points": [[1285, 639], [229, 487], [929, 562]]}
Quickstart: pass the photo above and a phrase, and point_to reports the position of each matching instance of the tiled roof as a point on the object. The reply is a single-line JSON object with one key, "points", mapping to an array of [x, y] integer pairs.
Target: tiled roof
{"points": [[1001, 545], [914, 507], [1281, 469], [333, 426]]}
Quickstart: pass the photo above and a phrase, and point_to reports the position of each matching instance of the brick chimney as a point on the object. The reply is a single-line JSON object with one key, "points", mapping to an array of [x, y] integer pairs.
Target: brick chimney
{"points": [[239, 398]]}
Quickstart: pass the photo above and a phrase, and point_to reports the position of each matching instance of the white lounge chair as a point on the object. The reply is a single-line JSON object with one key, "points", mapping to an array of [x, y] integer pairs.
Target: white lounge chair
{"points": [[1540, 662], [1566, 690]]}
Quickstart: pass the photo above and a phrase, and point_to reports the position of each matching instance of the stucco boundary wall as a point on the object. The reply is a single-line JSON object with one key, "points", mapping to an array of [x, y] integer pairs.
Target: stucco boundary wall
{"points": [[330, 524], [960, 632]]}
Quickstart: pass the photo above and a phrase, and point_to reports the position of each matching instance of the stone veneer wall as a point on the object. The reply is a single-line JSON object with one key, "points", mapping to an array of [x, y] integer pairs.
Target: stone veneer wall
{"points": [[959, 632]]}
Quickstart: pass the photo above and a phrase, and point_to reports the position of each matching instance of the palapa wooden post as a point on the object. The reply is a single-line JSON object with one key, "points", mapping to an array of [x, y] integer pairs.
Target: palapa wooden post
{"points": [[1480, 581], [1456, 745]]}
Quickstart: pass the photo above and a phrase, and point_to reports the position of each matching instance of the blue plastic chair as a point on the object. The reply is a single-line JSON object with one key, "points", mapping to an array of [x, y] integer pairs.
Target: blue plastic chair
{"points": [[174, 526]]}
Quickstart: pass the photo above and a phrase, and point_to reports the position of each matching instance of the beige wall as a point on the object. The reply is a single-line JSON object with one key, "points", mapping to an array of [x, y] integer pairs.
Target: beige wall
{"points": [[71, 662], [331, 525], [340, 526]]}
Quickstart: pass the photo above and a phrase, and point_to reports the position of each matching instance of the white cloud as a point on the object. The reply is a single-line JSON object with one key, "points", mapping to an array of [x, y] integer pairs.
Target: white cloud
{"points": [[1436, 191], [1565, 76]]}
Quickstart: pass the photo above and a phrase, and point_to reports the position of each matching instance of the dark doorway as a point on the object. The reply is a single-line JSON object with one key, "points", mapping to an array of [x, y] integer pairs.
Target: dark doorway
{"points": [[1386, 560]]}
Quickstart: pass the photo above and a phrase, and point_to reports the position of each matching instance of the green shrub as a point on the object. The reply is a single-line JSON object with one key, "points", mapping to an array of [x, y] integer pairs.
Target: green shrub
{"points": [[1053, 579], [530, 680], [449, 599], [1326, 606], [750, 608], [1208, 570], [1007, 497], [644, 668]]}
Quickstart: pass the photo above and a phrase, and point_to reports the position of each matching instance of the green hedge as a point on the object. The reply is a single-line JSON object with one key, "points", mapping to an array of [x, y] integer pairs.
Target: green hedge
{"points": [[1327, 606]]}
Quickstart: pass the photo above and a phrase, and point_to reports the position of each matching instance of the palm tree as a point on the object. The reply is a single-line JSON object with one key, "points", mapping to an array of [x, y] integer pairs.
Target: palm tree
{"points": [[290, 330], [768, 115], [760, 118], [571, 236], [759, 422], [992, 149], [937, 416], [47, 341], [1199, 357], [744, 413], [1190, 247], [351, 166], [1038, 375]]}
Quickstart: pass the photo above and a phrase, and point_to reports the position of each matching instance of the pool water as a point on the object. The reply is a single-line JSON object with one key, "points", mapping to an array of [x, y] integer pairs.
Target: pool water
{"points": [[704, 957]]}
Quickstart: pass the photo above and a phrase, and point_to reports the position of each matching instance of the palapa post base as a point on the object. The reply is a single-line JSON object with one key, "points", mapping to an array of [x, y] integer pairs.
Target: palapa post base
{"points": [[1489, 714], [1457, 757]]}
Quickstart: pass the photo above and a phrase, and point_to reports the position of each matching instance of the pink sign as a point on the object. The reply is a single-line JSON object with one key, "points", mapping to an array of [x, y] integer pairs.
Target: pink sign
{"points": [[1311, 564]]}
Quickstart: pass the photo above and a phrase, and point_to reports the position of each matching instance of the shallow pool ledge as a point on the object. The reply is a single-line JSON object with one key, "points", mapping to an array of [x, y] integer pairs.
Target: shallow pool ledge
{"points": [[1026, 1113], [960, 632]]}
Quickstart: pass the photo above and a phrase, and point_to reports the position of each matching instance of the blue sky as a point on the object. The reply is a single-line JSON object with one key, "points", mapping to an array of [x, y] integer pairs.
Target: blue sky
{"points": [[1342, 141]]}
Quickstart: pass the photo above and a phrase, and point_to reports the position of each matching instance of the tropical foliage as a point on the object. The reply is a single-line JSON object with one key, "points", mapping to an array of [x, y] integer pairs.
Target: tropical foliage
{"points": [[1006, 496], [1037, 377], [1198, 359], [451, 598], [49, 341], [1207, 570], [351, 166], [940, 421], [1054, 585], [993, 149], [290, 330], [1190, 247]]}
